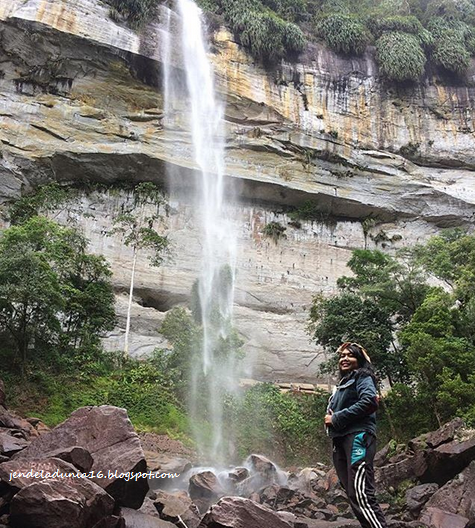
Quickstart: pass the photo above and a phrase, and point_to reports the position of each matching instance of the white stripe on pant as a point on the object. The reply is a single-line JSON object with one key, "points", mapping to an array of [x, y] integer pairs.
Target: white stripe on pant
{"points": [[362, 499]]}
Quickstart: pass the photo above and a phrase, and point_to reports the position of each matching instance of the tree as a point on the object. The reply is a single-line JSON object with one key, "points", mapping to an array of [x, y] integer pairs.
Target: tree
{"points": [[51, 290], [349, 317], [46, 199], [138, 232], [451, 258], [437, 354], [397, 285]]}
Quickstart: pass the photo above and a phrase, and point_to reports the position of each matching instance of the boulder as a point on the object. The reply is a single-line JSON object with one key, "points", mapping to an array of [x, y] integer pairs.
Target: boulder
{"points": [[331, 480], [205, 485], [22, 427], [171, 504], [456, 497], [39, 426], [237, 512], [447, 460], [107, 434], [434, 439], [136, 519], [161, 462], [62, 502], [262, 465], [416, 497], [18, 474], [436, 518], [10, 444], [175, 506], [382, 455], [288, 517], [75, 455], [263, 473], [112, 521], [148, 506], [238, 474], [408, 468]]}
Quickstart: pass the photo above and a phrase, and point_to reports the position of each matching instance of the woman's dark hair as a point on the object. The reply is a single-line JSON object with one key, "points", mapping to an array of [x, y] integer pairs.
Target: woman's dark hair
{"points": [[364, 365]]}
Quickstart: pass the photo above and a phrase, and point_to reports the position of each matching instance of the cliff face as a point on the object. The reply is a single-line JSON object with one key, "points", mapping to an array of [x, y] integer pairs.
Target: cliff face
{"points": [[80, 101]]}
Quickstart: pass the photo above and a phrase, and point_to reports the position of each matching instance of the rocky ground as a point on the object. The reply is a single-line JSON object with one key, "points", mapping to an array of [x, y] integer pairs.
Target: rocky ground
{"points": [[428, 483]]}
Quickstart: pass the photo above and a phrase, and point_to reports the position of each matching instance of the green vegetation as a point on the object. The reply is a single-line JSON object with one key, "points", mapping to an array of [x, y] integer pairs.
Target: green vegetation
{"points": [[260, 26], [407, 35], [421, 337], [400, 56], [51, 390], [52, 292], [46, 199], [345, 34], [453, 44], [132, 12], [56, 302], [138, 227], [274, 231], [290, 425], [309, 210], [52, 361]]}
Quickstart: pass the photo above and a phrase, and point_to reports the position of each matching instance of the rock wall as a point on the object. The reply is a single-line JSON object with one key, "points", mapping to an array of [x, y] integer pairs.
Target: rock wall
{"points": [[80, 102]]}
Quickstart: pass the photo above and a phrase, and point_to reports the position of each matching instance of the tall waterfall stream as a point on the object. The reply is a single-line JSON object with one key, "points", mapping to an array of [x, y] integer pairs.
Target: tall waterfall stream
{"points": [[216, 372]]}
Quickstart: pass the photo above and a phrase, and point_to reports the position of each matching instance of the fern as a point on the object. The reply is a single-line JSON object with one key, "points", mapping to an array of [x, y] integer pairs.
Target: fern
{"points": [[344, 33], [400, 56]]}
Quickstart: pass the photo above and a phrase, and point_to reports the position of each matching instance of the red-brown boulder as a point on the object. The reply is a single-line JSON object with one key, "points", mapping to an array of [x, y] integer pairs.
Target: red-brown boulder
{"points": [[237, 512], [456, 497], [107, 434]]}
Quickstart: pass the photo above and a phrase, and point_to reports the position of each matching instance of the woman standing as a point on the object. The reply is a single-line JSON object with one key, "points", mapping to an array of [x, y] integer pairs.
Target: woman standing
{"points": [[351, 423]]}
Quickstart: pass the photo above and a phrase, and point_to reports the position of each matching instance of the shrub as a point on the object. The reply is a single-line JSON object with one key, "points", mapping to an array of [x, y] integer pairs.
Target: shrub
{"points": [[134, 12], [275, 231], [400, 56], [451, 54], [452, 41], [287, 422], [470, 40], [451, 10], [405, 24], [344, 34], [268, 36], [293, 38], [294, 10], [263, 35]]}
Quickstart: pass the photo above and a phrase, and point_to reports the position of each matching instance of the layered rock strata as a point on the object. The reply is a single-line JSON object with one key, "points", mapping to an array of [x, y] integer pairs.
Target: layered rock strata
{"points": [[80, 102]]}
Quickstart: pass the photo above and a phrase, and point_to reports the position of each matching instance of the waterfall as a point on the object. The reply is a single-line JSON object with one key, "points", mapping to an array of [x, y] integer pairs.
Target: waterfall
{"points": [[216, 372]]}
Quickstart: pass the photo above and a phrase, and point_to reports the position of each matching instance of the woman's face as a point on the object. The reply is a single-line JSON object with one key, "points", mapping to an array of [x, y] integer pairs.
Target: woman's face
{"points": [[347, 361]]}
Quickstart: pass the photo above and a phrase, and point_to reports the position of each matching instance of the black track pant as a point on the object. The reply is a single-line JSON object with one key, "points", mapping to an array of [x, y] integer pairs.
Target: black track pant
{"points": [[353, 457]]}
